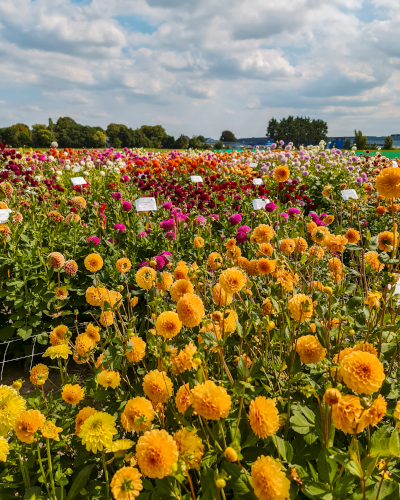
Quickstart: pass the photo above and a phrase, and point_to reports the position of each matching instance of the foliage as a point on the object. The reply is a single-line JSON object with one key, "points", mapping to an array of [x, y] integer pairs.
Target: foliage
{"points": [[299, 130], [228, 136], [360, 140], [388, 143]]}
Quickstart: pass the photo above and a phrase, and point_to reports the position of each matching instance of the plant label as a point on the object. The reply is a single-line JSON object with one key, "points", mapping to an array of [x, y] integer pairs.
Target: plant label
{"points": [[77, 169], [78, 181], [145, 204], [259, 204], [395, 164], [196, 178], [258, 182], [4, 215], [253, 165], [349, 194]]}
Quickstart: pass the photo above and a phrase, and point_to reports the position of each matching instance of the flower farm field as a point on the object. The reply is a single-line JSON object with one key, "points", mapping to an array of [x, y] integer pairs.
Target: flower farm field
{"points": [[206, 325]]}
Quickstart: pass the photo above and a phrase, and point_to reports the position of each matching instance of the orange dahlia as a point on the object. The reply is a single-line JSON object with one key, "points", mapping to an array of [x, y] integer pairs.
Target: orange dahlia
{"points": [[190, 310], [126, 484], [72, 394], [123, 265], [269, 481], [310, 350], [300, 307], [138, 349], [211, 401], [387, 182], [156, 453], [362, 372], [180, 288], [168, 325], [138, 415], [157, 386], [27, 424], [93, 262], [264, 417], [183, 398]]}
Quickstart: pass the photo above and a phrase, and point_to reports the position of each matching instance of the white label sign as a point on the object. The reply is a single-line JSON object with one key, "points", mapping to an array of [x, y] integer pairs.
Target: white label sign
{"points": [[196, 178], [253, 165], [348, 194], [145, 204], [4, 214], [78, 181], [259, 204], [394, 164], [258, 182], [77, 169], [397, 288], [31, 189]]}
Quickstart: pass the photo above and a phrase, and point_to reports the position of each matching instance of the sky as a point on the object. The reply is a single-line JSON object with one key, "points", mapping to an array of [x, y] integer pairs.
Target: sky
{"points": [[200, 66]]}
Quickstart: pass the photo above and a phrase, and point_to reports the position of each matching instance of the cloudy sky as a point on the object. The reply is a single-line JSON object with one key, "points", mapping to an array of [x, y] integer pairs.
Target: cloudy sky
{"points": [[201, 66]]}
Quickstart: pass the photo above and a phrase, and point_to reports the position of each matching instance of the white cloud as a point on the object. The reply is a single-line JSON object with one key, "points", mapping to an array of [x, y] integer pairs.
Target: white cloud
{"points": [[188, 65]]}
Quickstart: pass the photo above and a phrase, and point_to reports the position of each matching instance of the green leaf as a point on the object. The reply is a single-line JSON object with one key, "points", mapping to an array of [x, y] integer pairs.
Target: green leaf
{"points": [[318, 491], [394, 443], [238, 482], [380, 441], [80, 481], [24, 332], [207, 480], [327, 467], [354, 468], [34, 493], [343, 487], [284, 448]]}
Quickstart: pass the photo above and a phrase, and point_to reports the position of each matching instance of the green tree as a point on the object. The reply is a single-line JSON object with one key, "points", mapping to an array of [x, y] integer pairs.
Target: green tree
{"points": [[388, 144], [195, 143], [44, 137], [99, 139], [218, 145], [168, 141], [181, 142], [347, 144], [360, 141], [228, 136], [17, 135], [299, 130], [154, 133]]}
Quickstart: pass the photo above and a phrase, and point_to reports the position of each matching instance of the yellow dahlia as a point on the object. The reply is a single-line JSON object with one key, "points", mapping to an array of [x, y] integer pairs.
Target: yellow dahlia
{"points": [[317, 252], [300, 307], [263, 234], [373, 299], [396, 414], [269, 482], [50, 430], [232, 280], [146, 277], [190, 310], [126, 484], [377, 410], [372, 258], [184, 360], [264, 417], [39, 374], [180, 288], [58, 351], [353, 236], [211, 401], [168, 325], [93, 262], [387, 182], [12, 405], [97, 431], [310, 350], [93, 332], [220, 297], [138, 415], [265, 249], [156, 453], [72, 394], [123, 265], [120, 447], [287, 246], [57, 336], [198, 242], [4, 449], [281, 173], [183, 398], [107, 318], [138, 349], [347, 415], [362, 372], [190, 447], [181, 271], [109, 378], [165, 283], [95, 296], [214, 260], [27, 424], [157, 386]]}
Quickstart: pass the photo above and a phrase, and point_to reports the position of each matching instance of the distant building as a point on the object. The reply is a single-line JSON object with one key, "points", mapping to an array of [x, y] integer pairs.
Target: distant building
{"points": [[379, 140], [256, 141]]}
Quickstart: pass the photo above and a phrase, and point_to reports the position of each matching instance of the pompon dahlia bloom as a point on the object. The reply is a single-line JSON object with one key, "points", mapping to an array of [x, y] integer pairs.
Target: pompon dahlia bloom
{"points": [[70, 267], [168, 325], [72, 394], [107, 318], [97, 431], [300, 245], [157, 386], [93, 262], [232, 280], [82, 416], [387, 182], [39, 374], [171, 236], [214, 260], [211, 401], [138, 415], [92, 332], [4, 449], [167, 225], [183, 398], [386, 241], [156, 453], [109, 378], [123, 265], [317, 252], [126, 206], [11, 407], [190, 309], [270, 207], [164, 282], [181, 271], [352, 236], [190, 447], [377, 410], [348, 415], [27, 424], [300, 307], [198, 242], [372, 258], [235, 219], [126, 484], [57, 336], [281, 173], [362, 372], [265, 249], [269, 481], [263, 234], [138, 350], [56, 260], [287, 246], [146, 277], [58, 351], [78, 202], [310, 350], [119, 227], [264, 417]]}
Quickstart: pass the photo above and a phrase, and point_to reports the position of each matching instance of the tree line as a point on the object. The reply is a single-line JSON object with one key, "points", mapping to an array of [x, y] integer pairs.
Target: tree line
{"points": [[299, 130], [70, 134]]}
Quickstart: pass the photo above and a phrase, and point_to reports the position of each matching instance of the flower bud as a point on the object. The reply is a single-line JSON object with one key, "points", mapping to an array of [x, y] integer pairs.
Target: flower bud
{"points": [[230, 454], [271, 325], [220, 483], [332, 396], [328, 290]]}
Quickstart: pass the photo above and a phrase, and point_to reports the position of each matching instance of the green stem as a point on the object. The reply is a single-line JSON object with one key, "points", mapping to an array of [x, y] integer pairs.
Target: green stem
{"points": [[42, 470], [50, 465], [105, 475]]}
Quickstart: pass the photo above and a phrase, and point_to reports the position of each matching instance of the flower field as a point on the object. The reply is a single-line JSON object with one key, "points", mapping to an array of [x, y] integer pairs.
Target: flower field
{"points": [[223, 325]]}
